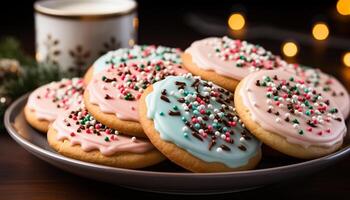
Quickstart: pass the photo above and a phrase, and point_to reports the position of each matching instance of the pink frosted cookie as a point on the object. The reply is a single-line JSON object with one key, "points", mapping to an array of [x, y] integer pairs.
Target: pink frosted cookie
{"points": [[225, 61], [112, 95], [76, 134], [136, 53], [47, 101], [289, 115], [325, 82]]}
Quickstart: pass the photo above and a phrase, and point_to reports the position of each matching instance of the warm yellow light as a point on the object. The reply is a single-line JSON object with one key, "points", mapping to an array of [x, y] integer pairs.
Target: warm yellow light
{"points": [[320, 31], [135, 23], [290, 49], [131, 42], [38, 57], [2, 100], [236, 21], [346, 59], [343, 7]]}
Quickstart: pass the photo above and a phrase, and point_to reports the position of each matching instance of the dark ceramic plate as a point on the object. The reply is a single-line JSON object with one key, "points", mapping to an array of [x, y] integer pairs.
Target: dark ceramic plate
{"points": [[167, 177]]}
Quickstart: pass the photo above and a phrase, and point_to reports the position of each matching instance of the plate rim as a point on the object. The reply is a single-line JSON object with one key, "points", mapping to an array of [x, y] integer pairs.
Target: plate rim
{"points": [[340, 154]]}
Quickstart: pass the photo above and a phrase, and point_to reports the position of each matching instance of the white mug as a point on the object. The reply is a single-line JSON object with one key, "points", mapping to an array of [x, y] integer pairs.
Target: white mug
{"points": [[71, 34]]}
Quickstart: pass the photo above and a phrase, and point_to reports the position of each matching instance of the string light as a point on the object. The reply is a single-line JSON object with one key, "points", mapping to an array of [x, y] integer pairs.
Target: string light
{"points": [[290, 49], [2, 100], [131, 42], [135, 22], [320, 31], [236, 21], [38, 56], [343, 7], [346, 59]]}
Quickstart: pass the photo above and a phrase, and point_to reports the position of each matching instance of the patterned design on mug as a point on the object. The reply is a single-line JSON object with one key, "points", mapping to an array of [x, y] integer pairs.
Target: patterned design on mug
{"points": [[52, 51], [79, 56], [111, 44]]}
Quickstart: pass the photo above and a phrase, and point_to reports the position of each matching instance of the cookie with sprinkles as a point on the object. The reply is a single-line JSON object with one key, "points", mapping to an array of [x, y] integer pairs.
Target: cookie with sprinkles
{"points": [[137, 52], [113, 94], [194, 124], [47, 101], [328, 84], [289, 115], [225, 61], [76, 134]]}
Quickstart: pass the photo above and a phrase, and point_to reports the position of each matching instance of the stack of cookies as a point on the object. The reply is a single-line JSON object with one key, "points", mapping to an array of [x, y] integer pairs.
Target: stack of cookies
{"points": [[208, 109]]}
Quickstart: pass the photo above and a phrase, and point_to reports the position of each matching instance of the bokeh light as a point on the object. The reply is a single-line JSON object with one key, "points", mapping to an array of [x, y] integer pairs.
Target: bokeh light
{"points": [[131, 42], [236, 21], [290, 49], [343, 7], [135, 23], [320, 31], [2, 100], [346, 59]]}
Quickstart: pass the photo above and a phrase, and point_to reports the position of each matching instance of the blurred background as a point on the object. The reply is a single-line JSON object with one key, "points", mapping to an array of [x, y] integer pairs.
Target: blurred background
{"points": [[314, 33]]}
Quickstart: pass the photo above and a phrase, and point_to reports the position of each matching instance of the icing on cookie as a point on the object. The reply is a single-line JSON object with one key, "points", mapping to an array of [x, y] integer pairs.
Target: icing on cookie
{"points": [[198, 117], [118, 88], [232, 58], [137, 52], [286, 105], [325, 82], [49, 100], [80, 128]]}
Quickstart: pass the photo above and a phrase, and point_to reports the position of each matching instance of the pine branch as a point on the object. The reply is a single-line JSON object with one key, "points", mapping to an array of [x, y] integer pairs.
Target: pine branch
{"points": [[31, 76]]}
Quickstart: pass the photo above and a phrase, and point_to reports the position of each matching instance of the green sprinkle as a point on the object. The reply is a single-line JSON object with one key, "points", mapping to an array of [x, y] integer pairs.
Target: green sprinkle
{"points": [[275, 98], [183, 119], [175, 107], [291, 79], [197, 125], [268, 79], [308, 113], [185, 135], [268, 95], [107, 139], [295, 121], [104, 78], [158, 68], [301, 132], [333, 110], [326, 89], [161, 113]]}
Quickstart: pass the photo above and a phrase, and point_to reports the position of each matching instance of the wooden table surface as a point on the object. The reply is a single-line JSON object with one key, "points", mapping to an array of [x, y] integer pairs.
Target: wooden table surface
{"points": [[23, 176]]}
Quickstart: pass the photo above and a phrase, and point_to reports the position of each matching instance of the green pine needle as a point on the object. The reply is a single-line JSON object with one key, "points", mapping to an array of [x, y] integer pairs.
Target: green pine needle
{"points": [[31, 76]]}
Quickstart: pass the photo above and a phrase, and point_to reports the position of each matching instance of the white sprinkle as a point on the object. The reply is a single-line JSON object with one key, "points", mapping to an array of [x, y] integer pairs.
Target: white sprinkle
{"points": [[217, 133], [219, 149], [133, 139], [278, 120]]}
